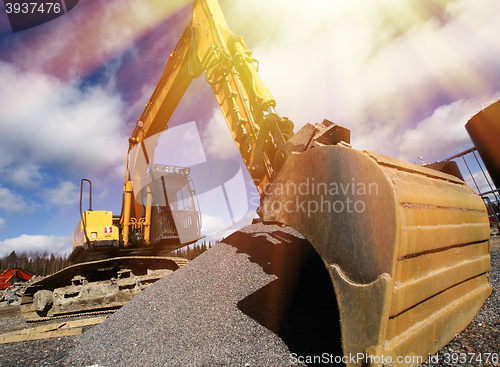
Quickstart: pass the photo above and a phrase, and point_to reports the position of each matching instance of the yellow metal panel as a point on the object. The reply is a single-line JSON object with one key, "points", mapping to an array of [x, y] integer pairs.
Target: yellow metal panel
{"points": [[428, 238], [410, 293], [98, 218], [436, 321], [78, 236], [422, 215], [438, 193], [95, 221], [402, 166], [411, 268]]}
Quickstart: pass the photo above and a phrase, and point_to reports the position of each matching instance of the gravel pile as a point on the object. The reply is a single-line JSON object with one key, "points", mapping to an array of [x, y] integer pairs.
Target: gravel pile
{"points": [[37, 353], [211, 312]]}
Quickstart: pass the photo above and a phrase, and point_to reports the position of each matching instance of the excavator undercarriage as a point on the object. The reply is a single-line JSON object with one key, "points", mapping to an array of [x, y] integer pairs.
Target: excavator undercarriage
{"points": [[94, 287]]}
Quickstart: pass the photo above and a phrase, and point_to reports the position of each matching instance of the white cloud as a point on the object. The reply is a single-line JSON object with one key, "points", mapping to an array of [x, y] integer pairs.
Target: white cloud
{"points": [[169, 146], [26, 176], [38, 243], [13, 203], [373, 66], [219, 229], [477, 177], [66, 193], [92, 34], [212, 223], [436, 137], [218, 141], [46, 122], [3, 225], [442, 134]]}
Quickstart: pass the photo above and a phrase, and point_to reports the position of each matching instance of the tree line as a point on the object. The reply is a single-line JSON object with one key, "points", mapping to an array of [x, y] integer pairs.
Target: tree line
{"points": [[44, 263], [35, 262], [190, 253]]}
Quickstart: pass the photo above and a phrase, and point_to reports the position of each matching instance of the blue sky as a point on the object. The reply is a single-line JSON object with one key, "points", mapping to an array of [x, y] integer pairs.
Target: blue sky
{"points": [[404, 76]]}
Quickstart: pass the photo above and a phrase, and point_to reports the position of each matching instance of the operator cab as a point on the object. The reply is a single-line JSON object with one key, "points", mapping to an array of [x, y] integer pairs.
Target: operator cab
{"points": [[175, 214]]}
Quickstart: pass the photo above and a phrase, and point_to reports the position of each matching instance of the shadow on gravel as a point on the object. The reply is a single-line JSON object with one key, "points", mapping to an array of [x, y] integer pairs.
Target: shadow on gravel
{"points": [[300, 306]]}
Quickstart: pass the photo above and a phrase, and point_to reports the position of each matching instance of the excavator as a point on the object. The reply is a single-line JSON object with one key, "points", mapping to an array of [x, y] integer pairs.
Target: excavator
{"points": [[406, 247], [11, 276], [116, 257]]}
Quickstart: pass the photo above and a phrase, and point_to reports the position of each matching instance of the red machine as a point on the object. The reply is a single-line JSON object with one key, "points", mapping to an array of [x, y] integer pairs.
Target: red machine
{"points": [[11, 276]]}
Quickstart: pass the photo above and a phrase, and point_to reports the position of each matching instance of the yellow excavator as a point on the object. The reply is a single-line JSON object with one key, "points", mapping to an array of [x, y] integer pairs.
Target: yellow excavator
{"points": [[406, 247]]}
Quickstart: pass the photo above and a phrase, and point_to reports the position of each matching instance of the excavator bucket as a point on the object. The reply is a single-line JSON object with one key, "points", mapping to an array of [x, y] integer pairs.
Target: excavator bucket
{"points": [[406, 247]]}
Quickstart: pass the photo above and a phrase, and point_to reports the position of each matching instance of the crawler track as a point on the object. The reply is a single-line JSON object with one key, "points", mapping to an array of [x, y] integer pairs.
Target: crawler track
{"points": [[102, 273]]}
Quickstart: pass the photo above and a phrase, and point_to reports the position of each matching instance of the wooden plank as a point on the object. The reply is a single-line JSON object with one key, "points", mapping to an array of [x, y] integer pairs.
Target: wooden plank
{"points": [[50, 331], [7, 310], [43, 335], [85, 322]]}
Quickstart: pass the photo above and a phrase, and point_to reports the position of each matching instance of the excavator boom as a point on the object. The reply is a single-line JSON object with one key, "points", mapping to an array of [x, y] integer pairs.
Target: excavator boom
{"points": [[207, 45]]}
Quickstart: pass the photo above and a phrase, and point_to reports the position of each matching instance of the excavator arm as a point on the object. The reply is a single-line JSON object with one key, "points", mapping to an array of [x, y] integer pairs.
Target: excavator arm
{"points": [[208, 46]]}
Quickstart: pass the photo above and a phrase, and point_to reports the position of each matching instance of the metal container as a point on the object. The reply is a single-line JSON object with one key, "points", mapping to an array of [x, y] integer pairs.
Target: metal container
{"points": [[484, 131]]}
